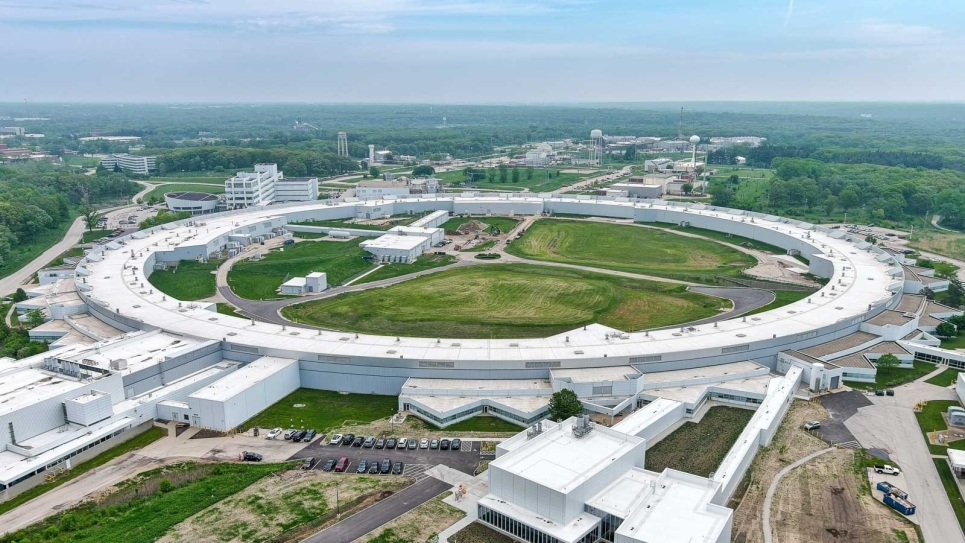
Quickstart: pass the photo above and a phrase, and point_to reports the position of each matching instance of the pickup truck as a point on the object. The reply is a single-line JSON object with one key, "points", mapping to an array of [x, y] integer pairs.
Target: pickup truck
{"points": [[887, 470]]}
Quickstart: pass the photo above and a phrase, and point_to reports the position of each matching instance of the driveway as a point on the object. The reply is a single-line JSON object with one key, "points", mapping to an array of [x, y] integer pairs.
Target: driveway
{"points": [[889, 424], [841, 406]]}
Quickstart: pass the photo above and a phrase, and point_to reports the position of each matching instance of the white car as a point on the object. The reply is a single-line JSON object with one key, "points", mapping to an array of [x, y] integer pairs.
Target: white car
{"points": [[402, 443], [290, 433], [812, 425], [274, 433], [336, 440], [424, 444]]}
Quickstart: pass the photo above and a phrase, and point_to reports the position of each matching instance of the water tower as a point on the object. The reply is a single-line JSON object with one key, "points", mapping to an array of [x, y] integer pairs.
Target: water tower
{"points": [[694, 140], [342, 144], [596, 146]]}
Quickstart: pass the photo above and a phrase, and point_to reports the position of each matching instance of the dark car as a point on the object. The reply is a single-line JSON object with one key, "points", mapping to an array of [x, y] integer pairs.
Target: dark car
{"points": [[299, 436], [342, 464], [251, 456], [347, 439], [329, 465], [380, 444], [358, 441], [374, 466], [309, 436], [413, 444], [369, 442], [308, 463], [879, 393], [890, 392], [363, 467], [398, 468], [456, 444], [386, 466], [390, 443], [434, 444], [444, 444]]}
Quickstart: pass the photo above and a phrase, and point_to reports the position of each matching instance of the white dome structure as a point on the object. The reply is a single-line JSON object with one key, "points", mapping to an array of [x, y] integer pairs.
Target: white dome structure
{"points": [[544, 148], [695, 139], [596, 133]]}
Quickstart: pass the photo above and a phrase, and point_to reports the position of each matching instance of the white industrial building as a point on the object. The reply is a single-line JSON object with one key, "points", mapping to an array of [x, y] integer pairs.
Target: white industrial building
{"points": [[636, 190], [197, 203], [252, 188], [313, 282], [406, 243], [402, 186], [658, 165], [228, 402], [540, 157], [296, 189], [142, 165]]}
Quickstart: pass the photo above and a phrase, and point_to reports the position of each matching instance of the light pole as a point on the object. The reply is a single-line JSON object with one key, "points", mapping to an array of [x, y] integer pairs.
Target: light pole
{"points": [[338, 511]]}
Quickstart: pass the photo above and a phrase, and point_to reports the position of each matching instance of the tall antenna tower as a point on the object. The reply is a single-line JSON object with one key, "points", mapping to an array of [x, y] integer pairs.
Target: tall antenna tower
{"points": [[680, 125], [342, 144]]}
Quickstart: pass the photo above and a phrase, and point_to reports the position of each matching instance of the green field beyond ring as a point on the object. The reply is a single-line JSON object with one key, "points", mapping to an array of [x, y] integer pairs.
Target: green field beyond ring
{"points": [[507, 301]]}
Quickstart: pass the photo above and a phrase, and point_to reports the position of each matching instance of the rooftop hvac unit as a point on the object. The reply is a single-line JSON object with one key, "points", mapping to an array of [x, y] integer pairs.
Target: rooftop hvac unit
{"points": [[582, 426], [232, 252], [119, 364]]}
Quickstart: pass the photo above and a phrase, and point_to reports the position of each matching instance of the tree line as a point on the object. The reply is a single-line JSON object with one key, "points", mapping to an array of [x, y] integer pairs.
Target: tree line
{"points": [[295, 163]]}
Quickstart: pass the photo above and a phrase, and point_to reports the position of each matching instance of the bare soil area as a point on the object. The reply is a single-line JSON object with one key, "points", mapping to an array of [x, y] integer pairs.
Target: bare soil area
{"points": [[421, 523], [826, 500]]}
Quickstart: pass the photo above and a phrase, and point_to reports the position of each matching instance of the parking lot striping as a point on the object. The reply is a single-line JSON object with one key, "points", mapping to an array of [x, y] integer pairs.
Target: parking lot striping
{"points": [[417, 471]]}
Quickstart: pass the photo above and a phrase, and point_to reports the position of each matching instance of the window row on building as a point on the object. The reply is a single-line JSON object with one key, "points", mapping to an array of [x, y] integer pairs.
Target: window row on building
{"points": [[522, 531], [60, 460]]}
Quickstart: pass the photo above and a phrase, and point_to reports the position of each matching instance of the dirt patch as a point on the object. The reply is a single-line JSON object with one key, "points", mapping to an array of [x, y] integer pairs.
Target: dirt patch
{"points": [[285, 507], [826, 500], [419, 524], [471, 227], [207, 434]]}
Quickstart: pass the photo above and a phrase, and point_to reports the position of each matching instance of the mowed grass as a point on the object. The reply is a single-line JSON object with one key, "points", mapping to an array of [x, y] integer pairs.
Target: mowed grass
{"points": [[930, 419], [324, 410], [505, 224], [892, 377], [91, 235], [509, 301], [945, 378], [630, 249], [425, 262], [699, 448], [159, 190], [189, 281], [482, 423], [726, 238], [258, 280], [952, 489]]}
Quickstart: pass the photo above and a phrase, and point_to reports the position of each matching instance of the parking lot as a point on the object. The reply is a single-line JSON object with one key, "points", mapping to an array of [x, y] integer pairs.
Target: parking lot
{"points": [[417, 461]]}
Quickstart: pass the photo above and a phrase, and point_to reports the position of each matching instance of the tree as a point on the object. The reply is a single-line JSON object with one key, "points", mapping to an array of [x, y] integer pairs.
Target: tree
{"points": [[871, 239], [721, 195], [19, 296], [630, 154], [734, 179], [91, 216], [503, 173], [374, 172], [687, 188], [491, 175], [529, 173], [887, 361], [515, 175], [958, 321], [829, 204], [296, 168], [423, 171], [35, 318], [946, 329], [564, 404], [848, 199]]}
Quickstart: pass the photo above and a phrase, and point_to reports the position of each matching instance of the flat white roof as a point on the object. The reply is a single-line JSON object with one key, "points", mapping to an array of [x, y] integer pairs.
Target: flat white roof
{"points": [[593, 375], [23, 386], [719, 372], [295, 282], [625, 494], [391, 241], [678, 509], [956, 457], [415, 384], [140, 350], [237, 382], [558, 460], [691, 393], [640, 419]]}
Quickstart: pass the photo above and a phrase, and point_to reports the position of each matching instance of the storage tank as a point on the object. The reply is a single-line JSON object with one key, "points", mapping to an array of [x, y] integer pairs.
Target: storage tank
{"points": [[342, 234]]}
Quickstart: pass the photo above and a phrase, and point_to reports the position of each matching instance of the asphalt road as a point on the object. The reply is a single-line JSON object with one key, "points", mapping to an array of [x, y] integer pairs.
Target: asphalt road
{"points": [[745, 300], [382, 512], [841, 406]]}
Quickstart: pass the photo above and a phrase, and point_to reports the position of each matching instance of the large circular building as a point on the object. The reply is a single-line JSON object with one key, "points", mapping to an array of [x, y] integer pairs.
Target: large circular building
{"points": [[197, 203]]}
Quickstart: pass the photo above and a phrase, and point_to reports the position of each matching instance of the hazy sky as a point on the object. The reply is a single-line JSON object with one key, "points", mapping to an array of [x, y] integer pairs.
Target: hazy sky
{"points": [[481, 50]]}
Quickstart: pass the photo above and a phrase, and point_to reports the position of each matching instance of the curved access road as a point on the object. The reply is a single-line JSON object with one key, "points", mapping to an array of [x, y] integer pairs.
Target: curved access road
{"points": [[769, 497]]}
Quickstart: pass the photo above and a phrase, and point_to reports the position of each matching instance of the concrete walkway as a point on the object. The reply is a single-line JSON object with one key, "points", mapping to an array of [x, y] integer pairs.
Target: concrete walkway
{"points": [[769, 497]]}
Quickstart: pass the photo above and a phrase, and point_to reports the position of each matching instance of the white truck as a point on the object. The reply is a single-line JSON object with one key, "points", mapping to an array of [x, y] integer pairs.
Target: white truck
{"points": [[887, 470]]}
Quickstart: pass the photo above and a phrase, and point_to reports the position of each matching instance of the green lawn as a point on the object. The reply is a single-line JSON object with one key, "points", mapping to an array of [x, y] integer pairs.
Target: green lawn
{"points": [[945, 378], [630, 249], [228, 309], [930, 419], [954, 343], [726, 238], [324, 410], [91, 235], [24, 251], [258, 280], [951, 489], [480, 247], [511, 300], [538, 183], [484, 424], [145, 508], [699, 448], [190, 280], [505, 224], [137, 442], [782, 298], [424, 262], [892, 377], [159, 190]]}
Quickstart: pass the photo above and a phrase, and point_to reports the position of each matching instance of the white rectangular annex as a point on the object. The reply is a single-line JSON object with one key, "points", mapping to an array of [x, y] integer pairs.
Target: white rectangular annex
{"points": [[228, 402]]}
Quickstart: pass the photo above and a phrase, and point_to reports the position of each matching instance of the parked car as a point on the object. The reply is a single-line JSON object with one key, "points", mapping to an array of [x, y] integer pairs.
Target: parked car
{"points": [[336, 439], [398, 468], [879, 393], [403, 442], [363, 467], [369, 442], [413, 444], [289, 242], [424, 444], [290, 433], [342, 464], [380, 444], [373, 467], [347, 439], [309, 436], [308, 463], [434, 444], [329, 465], [812, 425], [299, 436], [274, 433], [887, 470], [358, 441], [251, 457], [386, 466], [456, 444], [890, 392], [444, 445], [390, 443]]}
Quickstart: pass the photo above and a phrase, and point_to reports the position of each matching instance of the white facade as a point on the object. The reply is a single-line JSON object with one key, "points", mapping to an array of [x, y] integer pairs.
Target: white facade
{"points": [[227, 403], [393, 248], [252, 188], [313, 282], [635, 190], [198, 203], [380, 189], [142, 165], [296, 189]]}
